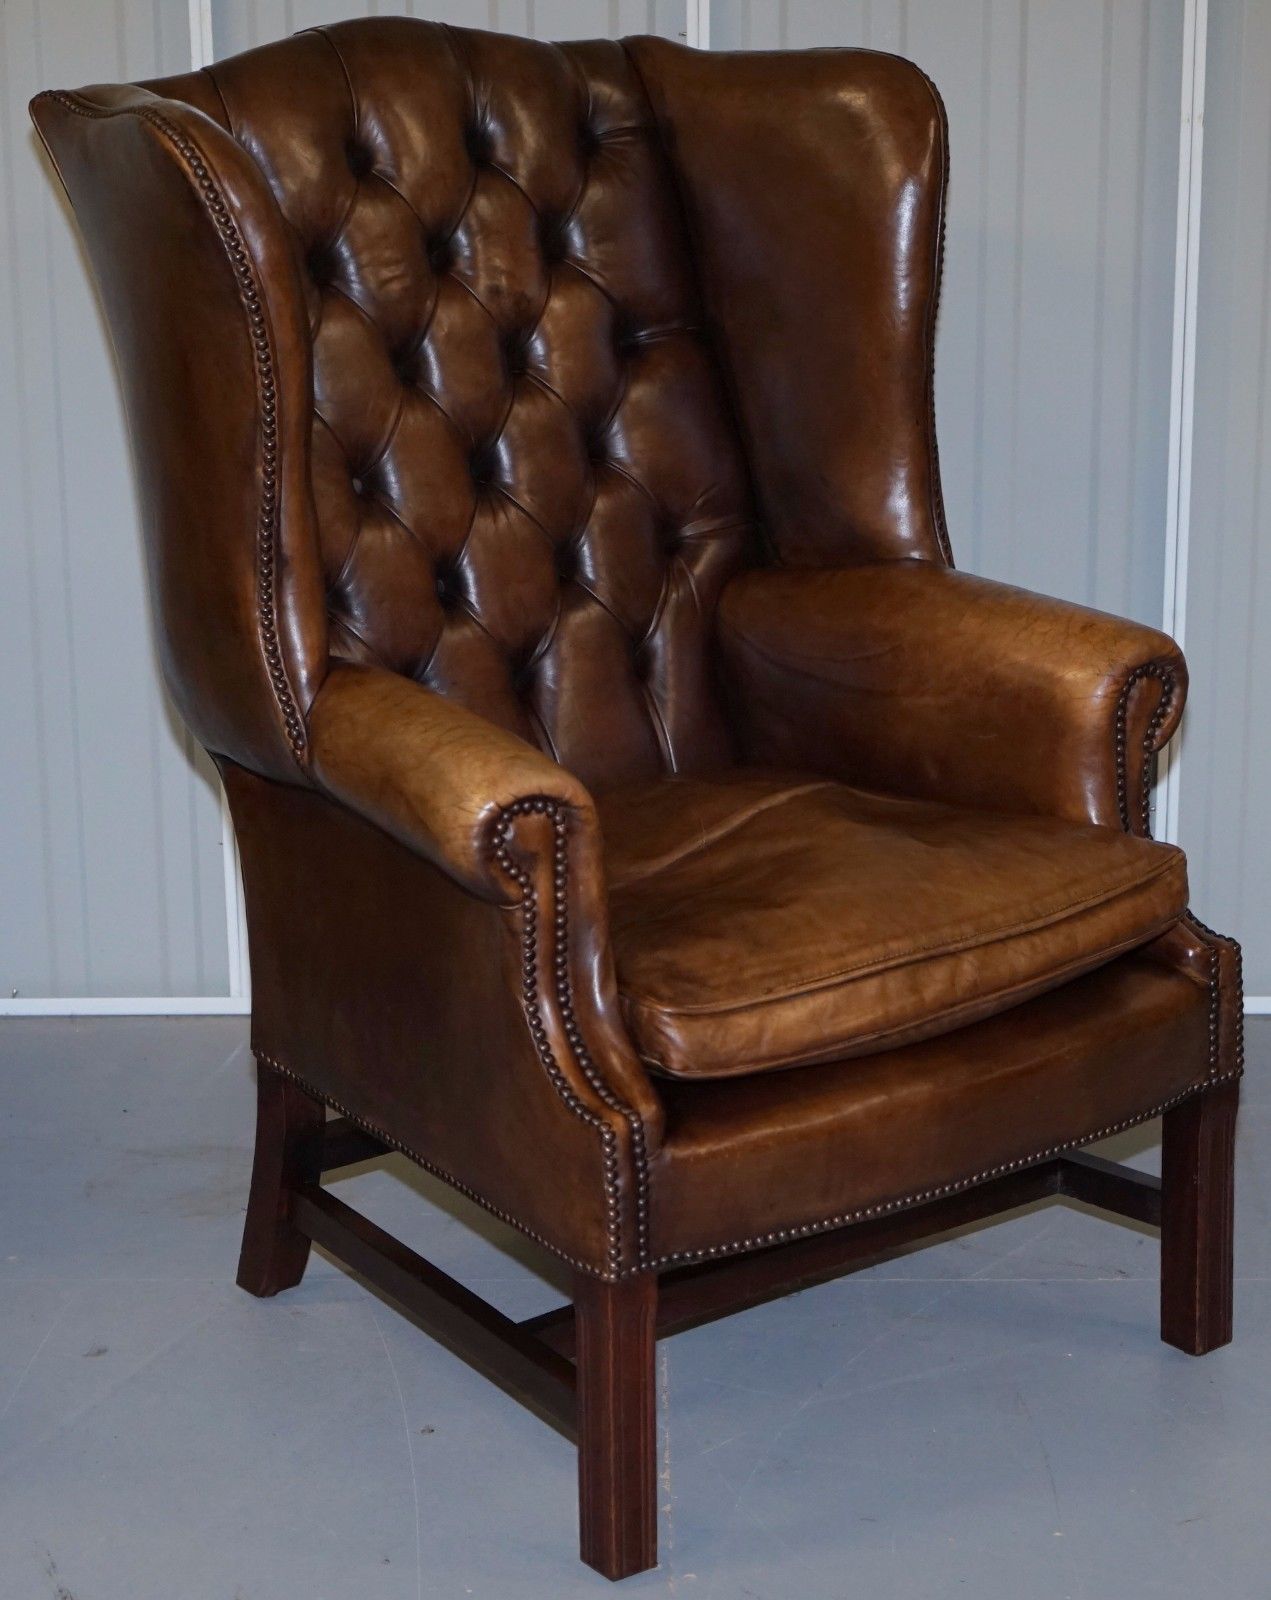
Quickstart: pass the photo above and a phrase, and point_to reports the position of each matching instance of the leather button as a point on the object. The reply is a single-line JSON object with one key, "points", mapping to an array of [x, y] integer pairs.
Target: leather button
{"points": [[515, 354], [360, 159], [567, 561], [553, 241], [320, 265], [448, 589], [626, 336], [358, 485], [521, 667], [589, 141], [597, 446], [441, 253], [478, 144], [481, 466], [404, 364]]}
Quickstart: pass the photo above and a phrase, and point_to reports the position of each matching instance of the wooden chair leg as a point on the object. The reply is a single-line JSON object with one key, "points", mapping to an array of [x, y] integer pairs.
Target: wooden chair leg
{"points": [[617, 1424], [288, 1154], [1197, 1213]]}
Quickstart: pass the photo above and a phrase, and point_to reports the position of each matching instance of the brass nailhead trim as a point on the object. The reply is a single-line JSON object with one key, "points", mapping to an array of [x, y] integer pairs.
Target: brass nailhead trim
{"points": [[1214, 1077], [781, 1235], [1215, 942], [249, 293], [543, 806], [267, 532], [387, 1138], [1168, 680]]}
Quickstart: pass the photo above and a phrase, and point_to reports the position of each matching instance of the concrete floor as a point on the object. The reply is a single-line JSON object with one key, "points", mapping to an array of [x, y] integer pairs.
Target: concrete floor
{"points": [[992, 1417]]}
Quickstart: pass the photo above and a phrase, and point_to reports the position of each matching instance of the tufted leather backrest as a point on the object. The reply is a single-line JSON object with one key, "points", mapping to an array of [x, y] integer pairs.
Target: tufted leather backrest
{"points": [[527, 485], [463, 355]]}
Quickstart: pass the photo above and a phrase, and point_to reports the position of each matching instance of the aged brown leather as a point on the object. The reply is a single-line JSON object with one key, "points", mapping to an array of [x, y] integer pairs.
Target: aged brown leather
{"points": [[543, 518], [814, 187], [401, 998], [911, 677], [779, 1154], [433, 774], [763, 919]]}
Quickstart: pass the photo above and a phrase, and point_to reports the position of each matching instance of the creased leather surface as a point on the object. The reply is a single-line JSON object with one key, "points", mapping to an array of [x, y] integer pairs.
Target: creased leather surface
{"points": [[793, 1151], [814, 185], [761, 920], [465, 375], [528, 488], [933, 683], [433, 774]]}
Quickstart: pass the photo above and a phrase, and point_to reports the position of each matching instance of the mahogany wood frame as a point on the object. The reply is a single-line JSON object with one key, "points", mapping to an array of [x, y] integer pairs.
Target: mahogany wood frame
{"points": [[588, 1369]]}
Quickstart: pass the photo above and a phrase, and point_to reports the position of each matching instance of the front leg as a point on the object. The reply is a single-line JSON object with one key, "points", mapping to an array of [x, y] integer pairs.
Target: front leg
{"points": [[288, 1155], [1197, 1217], [617, 1423]]}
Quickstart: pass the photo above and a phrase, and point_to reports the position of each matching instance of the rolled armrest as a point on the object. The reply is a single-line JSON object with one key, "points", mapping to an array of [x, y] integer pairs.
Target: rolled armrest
{"points": [[429, 772], [513, 828], [914, 678]]}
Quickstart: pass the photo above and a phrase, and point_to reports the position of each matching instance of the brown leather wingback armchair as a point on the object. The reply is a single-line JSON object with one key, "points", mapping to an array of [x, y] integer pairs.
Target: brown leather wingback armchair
{"points": [[644, 827]]}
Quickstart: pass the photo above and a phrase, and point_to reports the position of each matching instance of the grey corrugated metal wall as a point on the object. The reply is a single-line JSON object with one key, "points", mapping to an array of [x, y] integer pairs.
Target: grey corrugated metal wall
{"points": [[1053, 366], [1053, 393], [111, 877], [239, 24], [1226, 755]]}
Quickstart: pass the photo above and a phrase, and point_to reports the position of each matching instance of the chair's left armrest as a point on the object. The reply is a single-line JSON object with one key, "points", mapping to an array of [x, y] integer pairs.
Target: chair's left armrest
{"points": [[911, 677]]}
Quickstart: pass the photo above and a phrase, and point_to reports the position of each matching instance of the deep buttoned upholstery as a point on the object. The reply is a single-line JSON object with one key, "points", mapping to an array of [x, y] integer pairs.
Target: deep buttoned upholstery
{"points": [[643, 825]]}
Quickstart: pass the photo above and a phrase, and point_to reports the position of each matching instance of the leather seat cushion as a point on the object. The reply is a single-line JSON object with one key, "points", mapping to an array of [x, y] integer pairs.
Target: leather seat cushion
{"points": [[752, 1161], [765, 919]]}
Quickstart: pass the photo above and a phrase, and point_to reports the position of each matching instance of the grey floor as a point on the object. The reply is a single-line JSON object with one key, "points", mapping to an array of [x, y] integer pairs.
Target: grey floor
{"points": [[994, 1416]]}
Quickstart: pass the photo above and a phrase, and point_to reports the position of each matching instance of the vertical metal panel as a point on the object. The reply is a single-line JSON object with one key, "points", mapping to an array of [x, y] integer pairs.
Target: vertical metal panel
{"points": [[1052, 375], [593, 19], [112, 851], [1191, 147], [239, 24], [1226, 755]]}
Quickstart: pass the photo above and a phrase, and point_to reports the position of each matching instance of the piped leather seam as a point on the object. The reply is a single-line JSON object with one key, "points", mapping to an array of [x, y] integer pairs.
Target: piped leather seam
{"points": [[503, 830], [1167, 677], [387, 1138], [936, 491], [266, 385], [917, 953], [887, 1038], [781, 1235]]}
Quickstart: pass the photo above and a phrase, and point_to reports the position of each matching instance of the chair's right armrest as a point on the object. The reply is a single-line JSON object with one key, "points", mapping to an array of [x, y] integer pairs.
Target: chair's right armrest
{"points": [[508, 826], [430, 951], [440, 779]]}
